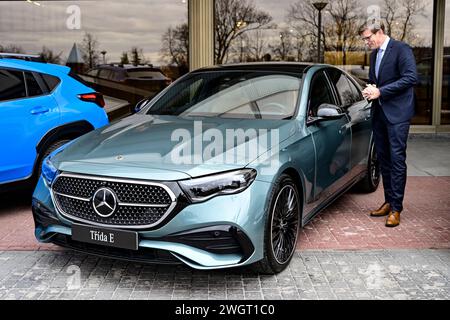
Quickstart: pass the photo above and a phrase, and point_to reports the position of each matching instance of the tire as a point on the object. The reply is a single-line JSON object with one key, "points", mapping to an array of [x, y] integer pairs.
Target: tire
{"points": [[52, 147], [280, 235], [369, 183]]}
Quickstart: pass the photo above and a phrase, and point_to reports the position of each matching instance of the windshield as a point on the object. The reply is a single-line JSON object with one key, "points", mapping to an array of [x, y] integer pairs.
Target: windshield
{"points": [[231, 94]]}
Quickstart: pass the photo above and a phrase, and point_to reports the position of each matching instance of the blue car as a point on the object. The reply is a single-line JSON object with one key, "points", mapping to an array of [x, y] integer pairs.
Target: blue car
{"points": [[221, 169], [42, 106]]}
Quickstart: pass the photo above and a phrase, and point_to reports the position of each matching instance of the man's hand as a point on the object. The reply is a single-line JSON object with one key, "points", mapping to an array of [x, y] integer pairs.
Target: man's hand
{"points": [[371, 92]]}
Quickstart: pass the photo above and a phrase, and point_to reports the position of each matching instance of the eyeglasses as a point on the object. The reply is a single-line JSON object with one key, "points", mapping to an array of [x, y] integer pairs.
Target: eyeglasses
{"points": [[367, 38]]}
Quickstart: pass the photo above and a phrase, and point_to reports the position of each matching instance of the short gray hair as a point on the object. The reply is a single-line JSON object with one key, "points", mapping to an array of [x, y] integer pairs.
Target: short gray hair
{"points": [[373, 26]]}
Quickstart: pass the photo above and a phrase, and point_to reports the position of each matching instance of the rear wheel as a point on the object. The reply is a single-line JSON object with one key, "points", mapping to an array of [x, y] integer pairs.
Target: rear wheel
{"points": [[371, 180], [282, 226]]}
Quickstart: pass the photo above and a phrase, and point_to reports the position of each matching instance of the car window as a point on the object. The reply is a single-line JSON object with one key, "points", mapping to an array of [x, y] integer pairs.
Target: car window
{"points": [[92, 72], [320, 93], [105, 74], [12, 85], [138, 74], [33, 87], [356, 92], [342, 86], [51, 81], [117, 75]]}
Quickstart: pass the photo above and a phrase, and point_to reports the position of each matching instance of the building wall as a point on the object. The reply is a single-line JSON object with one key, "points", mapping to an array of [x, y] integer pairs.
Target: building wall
{"points": [[188, 34]]}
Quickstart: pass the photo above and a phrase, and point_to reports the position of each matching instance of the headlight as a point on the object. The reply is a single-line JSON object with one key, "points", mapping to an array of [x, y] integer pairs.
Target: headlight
{"points": [[204, 188], [49, 171]]}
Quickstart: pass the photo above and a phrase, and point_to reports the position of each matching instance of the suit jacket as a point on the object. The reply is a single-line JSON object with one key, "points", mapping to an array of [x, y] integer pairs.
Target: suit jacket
{"points": [[396, 79]]}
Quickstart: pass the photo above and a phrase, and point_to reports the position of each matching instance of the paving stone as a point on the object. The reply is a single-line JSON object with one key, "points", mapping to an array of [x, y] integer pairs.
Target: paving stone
{"points": [[387, 274], [139, 295]]}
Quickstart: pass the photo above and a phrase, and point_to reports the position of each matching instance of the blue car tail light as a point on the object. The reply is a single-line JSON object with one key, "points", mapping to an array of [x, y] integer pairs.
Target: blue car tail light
{"points": [[94, 97], [207, 187]]}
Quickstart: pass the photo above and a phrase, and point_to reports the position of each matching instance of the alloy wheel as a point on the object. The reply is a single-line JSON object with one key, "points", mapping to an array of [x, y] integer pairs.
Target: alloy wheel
{"points": [[285, 224]]}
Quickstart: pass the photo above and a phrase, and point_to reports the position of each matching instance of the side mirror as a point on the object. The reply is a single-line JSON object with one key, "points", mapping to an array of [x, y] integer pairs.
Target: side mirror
{"points": [[328, 112], [140, 105]]}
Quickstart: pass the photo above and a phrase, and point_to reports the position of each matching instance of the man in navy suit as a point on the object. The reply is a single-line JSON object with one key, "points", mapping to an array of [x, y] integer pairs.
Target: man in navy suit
{"points": [[392, 77]]}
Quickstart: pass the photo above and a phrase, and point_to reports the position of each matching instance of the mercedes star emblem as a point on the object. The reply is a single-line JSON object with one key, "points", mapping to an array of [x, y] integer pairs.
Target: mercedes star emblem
{"points": [[104, 202]]}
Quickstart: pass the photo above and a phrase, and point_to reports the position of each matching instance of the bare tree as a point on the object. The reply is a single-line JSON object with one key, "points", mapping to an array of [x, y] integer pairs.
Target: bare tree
{"points": [[175, 46], [390, 15], [340, 20], [300, 46], [284, 50], [257, 45], [248, 47], [239, 50], [303, 18], [47, 55], [234, 18], [89, 47], [399, 18], [11, 48], [345, 19]]}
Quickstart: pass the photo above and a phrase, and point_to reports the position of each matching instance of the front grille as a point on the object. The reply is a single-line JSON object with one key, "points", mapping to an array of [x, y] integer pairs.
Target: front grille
{"points": [[139, 203]]}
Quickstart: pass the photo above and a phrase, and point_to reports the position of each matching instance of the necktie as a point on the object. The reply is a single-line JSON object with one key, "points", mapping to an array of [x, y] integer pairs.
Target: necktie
{"points": [[378, 62]]}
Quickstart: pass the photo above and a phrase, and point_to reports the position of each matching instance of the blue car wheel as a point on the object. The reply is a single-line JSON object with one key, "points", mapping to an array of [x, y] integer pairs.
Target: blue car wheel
{"points": [[282, 226]]}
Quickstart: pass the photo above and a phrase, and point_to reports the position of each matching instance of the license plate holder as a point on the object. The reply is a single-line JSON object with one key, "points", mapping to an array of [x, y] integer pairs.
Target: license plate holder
{"points": [[106, 237]]}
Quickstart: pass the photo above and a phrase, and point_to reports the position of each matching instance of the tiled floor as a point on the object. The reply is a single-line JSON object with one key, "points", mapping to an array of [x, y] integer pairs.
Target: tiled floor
{"points": [[342, 254], [425, 222], [346, 224], [326, 274]]}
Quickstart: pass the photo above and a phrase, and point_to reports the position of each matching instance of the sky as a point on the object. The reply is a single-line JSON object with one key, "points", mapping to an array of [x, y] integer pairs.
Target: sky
{"points": [[119, 25]]}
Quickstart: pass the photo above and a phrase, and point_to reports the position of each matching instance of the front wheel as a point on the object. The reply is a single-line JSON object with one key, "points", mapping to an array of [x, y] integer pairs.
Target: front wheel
{"points": [[282, 226]]}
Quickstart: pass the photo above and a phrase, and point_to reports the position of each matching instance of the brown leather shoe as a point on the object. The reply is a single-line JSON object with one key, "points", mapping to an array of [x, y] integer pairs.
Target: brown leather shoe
{"points": [[393, 219], [383, 211]]}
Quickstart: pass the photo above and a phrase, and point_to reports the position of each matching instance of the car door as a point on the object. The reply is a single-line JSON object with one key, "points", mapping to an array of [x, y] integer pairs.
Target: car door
{"points": [[27, 113], [358, 111], [332, 139]]}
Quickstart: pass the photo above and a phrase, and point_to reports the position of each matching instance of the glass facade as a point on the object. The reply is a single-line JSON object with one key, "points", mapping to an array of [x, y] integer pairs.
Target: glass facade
{"points": [[445, 107], [102, 41], [289, 31], [88, 35]]}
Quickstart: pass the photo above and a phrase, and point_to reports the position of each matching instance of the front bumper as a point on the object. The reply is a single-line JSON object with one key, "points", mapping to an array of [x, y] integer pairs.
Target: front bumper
{"points": [[225, 231]]}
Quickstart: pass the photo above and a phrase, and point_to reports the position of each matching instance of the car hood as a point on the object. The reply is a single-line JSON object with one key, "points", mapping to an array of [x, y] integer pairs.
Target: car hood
{"points": [[168, 147]]}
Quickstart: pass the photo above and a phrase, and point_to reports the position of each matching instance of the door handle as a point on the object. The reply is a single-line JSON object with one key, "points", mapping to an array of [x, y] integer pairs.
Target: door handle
{"points": [[39, 110]]}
